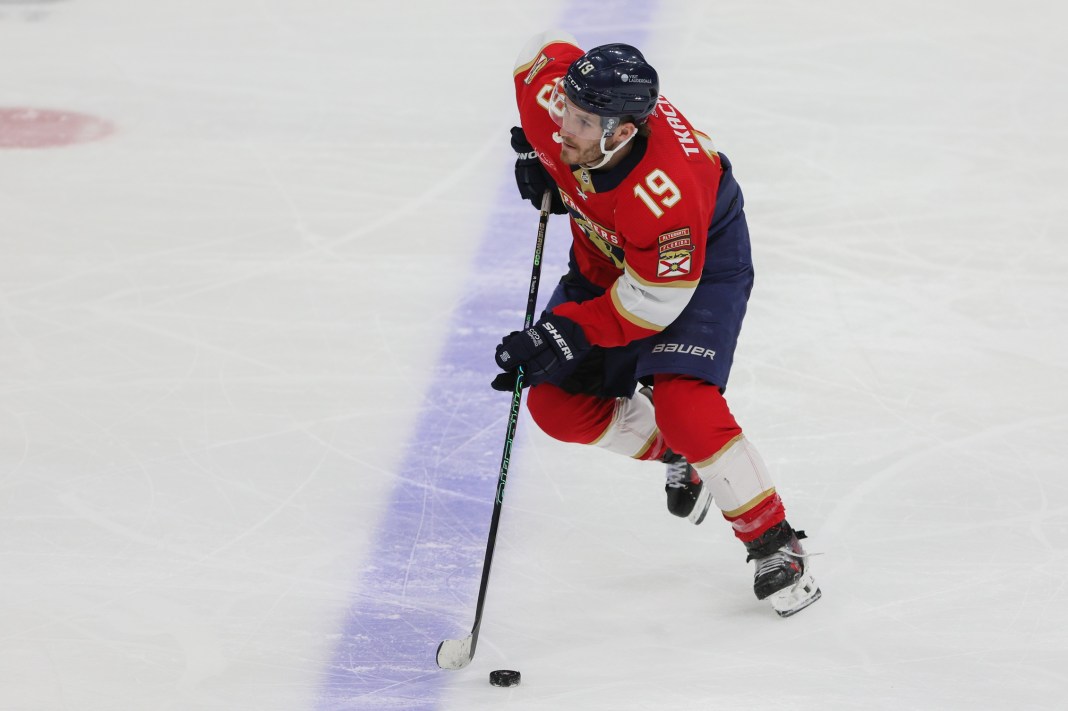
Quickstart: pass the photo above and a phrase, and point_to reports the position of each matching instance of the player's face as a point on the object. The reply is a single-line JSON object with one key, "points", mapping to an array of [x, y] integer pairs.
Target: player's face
{"points": [[575, 150], [580, 131], [571, 119]]}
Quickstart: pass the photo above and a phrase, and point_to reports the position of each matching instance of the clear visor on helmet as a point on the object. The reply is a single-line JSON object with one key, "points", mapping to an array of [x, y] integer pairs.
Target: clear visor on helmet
{"points": [[576, 122]]}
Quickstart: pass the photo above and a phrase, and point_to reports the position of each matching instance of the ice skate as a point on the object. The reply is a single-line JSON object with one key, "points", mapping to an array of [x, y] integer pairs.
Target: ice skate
{"points": [[687, 496], [782, 573]]}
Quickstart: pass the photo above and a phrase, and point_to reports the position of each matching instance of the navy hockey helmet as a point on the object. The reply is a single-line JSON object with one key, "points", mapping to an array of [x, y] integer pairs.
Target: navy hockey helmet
{"points": [[613, 80]]}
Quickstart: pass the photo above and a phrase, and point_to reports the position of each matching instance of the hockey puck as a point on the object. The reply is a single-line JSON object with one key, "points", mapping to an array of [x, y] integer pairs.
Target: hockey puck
{"points": [[504, 677]]}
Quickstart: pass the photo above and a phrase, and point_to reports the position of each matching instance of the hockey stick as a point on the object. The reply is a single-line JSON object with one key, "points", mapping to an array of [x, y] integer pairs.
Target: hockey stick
{"points": [[458, 653]]}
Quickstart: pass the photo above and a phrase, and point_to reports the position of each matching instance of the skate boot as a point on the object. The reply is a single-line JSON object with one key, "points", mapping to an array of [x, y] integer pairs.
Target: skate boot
{"points": [[782, 575], [686, 493]]}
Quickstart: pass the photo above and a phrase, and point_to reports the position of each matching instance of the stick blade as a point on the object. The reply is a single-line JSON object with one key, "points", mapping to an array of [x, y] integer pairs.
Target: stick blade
{"points": [[456, 653]]}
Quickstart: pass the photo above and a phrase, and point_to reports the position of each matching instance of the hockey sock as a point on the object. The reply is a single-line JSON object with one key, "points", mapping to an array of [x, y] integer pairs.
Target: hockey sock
{"points": [[697, 423], [742, 488], [693, 416], [752, 524]]}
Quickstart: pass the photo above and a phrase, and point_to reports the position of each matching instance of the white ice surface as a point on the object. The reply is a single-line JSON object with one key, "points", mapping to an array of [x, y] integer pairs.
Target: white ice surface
{"points": [[215, 325]]}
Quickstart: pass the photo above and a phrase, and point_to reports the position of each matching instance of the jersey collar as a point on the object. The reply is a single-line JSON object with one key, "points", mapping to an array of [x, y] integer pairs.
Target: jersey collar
{"points": [[601, 181]]}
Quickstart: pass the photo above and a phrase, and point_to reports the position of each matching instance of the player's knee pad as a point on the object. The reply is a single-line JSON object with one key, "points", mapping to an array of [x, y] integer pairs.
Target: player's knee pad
{"points": [[693, 416], [569, 417], [622, 425]]}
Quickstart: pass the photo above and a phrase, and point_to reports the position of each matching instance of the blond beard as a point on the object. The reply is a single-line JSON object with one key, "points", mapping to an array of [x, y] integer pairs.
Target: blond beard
{"points": [[588, 155]]}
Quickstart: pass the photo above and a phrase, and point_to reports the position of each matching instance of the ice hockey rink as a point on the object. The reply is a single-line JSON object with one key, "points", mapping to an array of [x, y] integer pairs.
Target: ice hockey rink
{"points": [[254, 258]]}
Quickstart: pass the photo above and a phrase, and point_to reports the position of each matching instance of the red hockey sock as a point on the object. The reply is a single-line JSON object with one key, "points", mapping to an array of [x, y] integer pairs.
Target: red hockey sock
{"points": [[693, 416], [696, 422], [751, 525], [568, 417]]}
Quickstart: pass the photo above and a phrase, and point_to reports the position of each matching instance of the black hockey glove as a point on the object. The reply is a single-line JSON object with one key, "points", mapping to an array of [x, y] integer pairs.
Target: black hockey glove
{"points": [[552, 347], [530, 174]]}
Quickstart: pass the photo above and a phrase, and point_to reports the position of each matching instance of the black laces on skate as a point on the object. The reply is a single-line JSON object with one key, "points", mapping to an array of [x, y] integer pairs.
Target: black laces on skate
{"points": [[800, 535]]}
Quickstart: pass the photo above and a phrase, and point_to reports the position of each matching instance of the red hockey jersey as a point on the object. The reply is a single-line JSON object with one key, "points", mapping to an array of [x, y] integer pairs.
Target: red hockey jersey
{"points": [[640, 228]]}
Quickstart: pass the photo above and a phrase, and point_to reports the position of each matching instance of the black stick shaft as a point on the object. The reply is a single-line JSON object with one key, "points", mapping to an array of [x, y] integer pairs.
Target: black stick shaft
{"points": [[513, 418]]}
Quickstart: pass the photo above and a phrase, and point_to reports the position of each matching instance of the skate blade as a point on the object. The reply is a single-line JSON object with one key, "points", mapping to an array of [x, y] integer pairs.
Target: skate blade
{"points": [[701, 506], [789, 601]]}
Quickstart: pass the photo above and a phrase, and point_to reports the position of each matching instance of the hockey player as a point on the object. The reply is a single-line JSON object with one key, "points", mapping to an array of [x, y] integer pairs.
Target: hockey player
{"points": [[659, 278]]}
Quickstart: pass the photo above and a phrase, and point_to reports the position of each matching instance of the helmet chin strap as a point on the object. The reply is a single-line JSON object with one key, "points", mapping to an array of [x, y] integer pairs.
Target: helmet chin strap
{"points": [[608, 153]]}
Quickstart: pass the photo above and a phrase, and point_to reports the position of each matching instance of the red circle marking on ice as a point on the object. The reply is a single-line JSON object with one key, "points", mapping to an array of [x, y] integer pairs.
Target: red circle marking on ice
{"points": [[48, 128]]}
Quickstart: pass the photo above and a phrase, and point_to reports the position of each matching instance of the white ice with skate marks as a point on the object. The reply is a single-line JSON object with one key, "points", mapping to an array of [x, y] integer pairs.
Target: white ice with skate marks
{"points": [[899, 371], [215, 329]]}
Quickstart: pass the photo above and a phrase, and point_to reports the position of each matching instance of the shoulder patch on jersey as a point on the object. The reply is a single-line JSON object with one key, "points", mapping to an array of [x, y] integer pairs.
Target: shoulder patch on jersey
{"points": [[674, 253], [538, 65]]}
